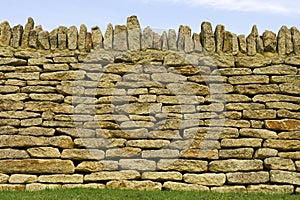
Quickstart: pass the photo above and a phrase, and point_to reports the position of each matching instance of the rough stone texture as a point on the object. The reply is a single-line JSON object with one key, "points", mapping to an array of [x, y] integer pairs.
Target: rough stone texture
{"points": [[277, 163], [205, 179], [23, 178], [207, 37], [75, 178], [269, 189], [247, 177], [277, 176], [72, 34], [134, 33], [183, 186], [224, 189], [135, 185], [161, 176], [182, 165], [233, 165]]}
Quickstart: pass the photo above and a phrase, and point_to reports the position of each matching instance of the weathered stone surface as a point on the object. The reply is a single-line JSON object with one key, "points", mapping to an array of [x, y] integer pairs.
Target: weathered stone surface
{"points": [[275, 98], [182, 165], [72, 37], [22, 178], [237, 80], [135, 185], [94, 166], [282, 144], [219, 35], [236, 153], [259, 114], [290, 155], [206, 179], [118, 175], [207, 37], [242, 43], [120, 38], [289, 189], [276, 69], [244, 106], [123, 152], [13, 154], [258, 133], [290, 88], [283, 105], [108, 37], [147, 38], [137, 164], [97, 37], [5, 34], [223, 189], [134, 33], [40, 186], [36, 166], [242, 142], [285, 45], [283, 125], [28, 27], [199, 153], [197, 43], [251, 41], [257, 89], [86, 186], [43, 40], [289, 135], [234, 165], [169, 185], [3, 178], [270, 41], [43, 152], [161, 176], [74, 178], [16, 36], [82, 154], [286, 79], [14, 187], [63, 76], [247, 177], [82, 37], [53, 39], [252, 61], [148, 144], [278, 176], [278, 163]]}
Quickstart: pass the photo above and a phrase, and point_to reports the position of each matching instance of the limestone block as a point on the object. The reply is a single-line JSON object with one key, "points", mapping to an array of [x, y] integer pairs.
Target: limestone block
{"points": [[247, 177], [63, 76], [162, 176], [134, 33], [277, 163], [285, 145], [82, 154], [207, 37], [39, 61], [135, 185], [37, 166], [252, 61], [258, 133], [97, 37], [44, 152], [223, 189], [236, 153], [197, 43], [285, 124], [118, 175], [169, 185], [87, 186], [268, 189], [120, 38], [97, 166], [10, 122], [199, 153], [285, 45], [63, 142], [18, 114], [82, 37], [243, 142], [172, 40], [31, 122], [40, 186], [16, 36], [259, 114], [283, 105], [270, 41], [290, 155], [13, 154], [3, 178], [10, 187], [286, 79], [244, 106], [234, 165], [24, 76], [99, 142], [53, 39], [278, 176], [290, 88], [148, 144], [219, 35], [161, 153], [43, 40], [74, 178], [276, 70], [296, 39], [275, 98], [108, 37], [72, 37], [206, 179], [123, 152], [137, 164], [257, 89], [247, 79], [5, 35], [22, 178], [147, 38], [10, 105], [182, 165]]}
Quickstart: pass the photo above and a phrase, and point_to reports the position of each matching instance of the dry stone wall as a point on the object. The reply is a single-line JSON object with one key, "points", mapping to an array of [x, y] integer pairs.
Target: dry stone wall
{"points": [[138, 110]]}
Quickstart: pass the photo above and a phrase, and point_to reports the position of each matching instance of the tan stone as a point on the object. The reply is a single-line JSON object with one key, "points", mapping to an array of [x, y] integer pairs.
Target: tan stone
{"points": [[40, 186], [182, 165], [288, 114], [257, 89], [247, 177], [11, 141], [118, 175], [259, 114], [86, 186], [93, 166], [290, 88], [48, 106], [247, 79], [137, 164], [235, 189], [278, 176], [12, 187], [63, 76], [283, 144], [268, 189], [275, 98], [23, 178], [39, 61], [234, 165], [243, 142], [9, 89], [10, 105], [199, 153], [236, 153], [82, 154], [95, 143], [265, 153], [277, 163], [74, 178], [15, 97], [134, 185], [253, 61], [276, 69], [160, 153], [282, 125], [290, 155], [36, 166], [283, 105], [206, 179], [13, 154], [55, 67], [211, 133], [169, 185], [31, 122], [10, 122], [244, 106], [162, 176], [4, 178], [123, 152], [44, 152], [146, 144], [258, 133]]}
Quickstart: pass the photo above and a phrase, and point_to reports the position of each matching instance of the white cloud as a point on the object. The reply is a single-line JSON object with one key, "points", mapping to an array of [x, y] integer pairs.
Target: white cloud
{"points": [[273, 6]]}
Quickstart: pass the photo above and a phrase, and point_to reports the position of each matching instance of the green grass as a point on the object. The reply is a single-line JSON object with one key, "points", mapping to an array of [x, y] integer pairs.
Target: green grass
{"points": [[94, 194]]}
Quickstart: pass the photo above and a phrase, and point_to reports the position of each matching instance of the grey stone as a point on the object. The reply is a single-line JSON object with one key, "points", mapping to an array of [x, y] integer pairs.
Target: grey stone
{"points": [[120, 38], [197, 43], [285, 45], [5, 34], [242, 43], [147, 38], [53, 39], [108, 37], [164, 41], [16, 36], [97, 37], [156, 41], [72, 34], [134, 33], [219, 35], [207, 37], [296, 39], [43, 40], [172, 40]]}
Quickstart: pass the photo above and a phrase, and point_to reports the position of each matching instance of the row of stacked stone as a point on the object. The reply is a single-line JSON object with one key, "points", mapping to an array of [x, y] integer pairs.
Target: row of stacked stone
{"points": [[131, 37]]}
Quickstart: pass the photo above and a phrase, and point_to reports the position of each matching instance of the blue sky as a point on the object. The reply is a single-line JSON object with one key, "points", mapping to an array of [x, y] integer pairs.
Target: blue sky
{"points": [[238, 16]]}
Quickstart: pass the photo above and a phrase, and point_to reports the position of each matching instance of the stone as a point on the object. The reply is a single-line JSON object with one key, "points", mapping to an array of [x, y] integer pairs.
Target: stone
{"points": [[182, 165], [270, 41], [97, 166], [137, 164], [16, 36], [157, 41], [286, 79], [197, 43], [282, 105], [278, 176], [147, 38], [219, 36], [286, 145], [82, 37], [228, 42], [283, 125], [99, 143], [108, 37], [289, 135], [89, 42], [72, 37], [10, 122], [172, 40], [31, 122], [25, 37], [207, 37], [120, 38], [236, 153], [296, 39], [290, 88], [244, 106], [40, 186], [269, 189], [5, 35], [242, 43], [276, 70], [74, 178], [63, 76], [12, 61], [161, 153], [162, 176], [134, 185], [53, 39], [36, 166], [43, 152], [8, 130], [252, 61], [33, 37], [123, 152], [259, 114], [44, 97], [62, 37], [234, 165], [206, 179], [43, 40], [22, 178], [37, 131], [251, 41], [13, 154], [244, 178], [10, 187], [164, 41], [242, 142], [82, 154], [199, 153], [117, 175], [97, 37], [275, 98], [277, 163], [253, 89], [285, 45], [223, 189], [134, 33], [259, 45], [247, 79], [148, 144], [290, 155], [169, 185], [85, 186], [262, 153], [258, 133]]}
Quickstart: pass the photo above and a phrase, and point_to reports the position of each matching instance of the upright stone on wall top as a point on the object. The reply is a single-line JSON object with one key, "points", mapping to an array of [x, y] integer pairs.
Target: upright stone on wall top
{"points": [[197, 43], [284, 41], [251, 41], [172, 40], [270, 43], [147, 38], [33, 37], [108, 37], [296, 39], [207, 37], [43, 40], [25, 37], [134, 33], [16, 36], [219, 35], [62, 37], [53, 39], [72, 34], [82, 37], [164, 41], [120, 38], [97, 37], [5, 34]]}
